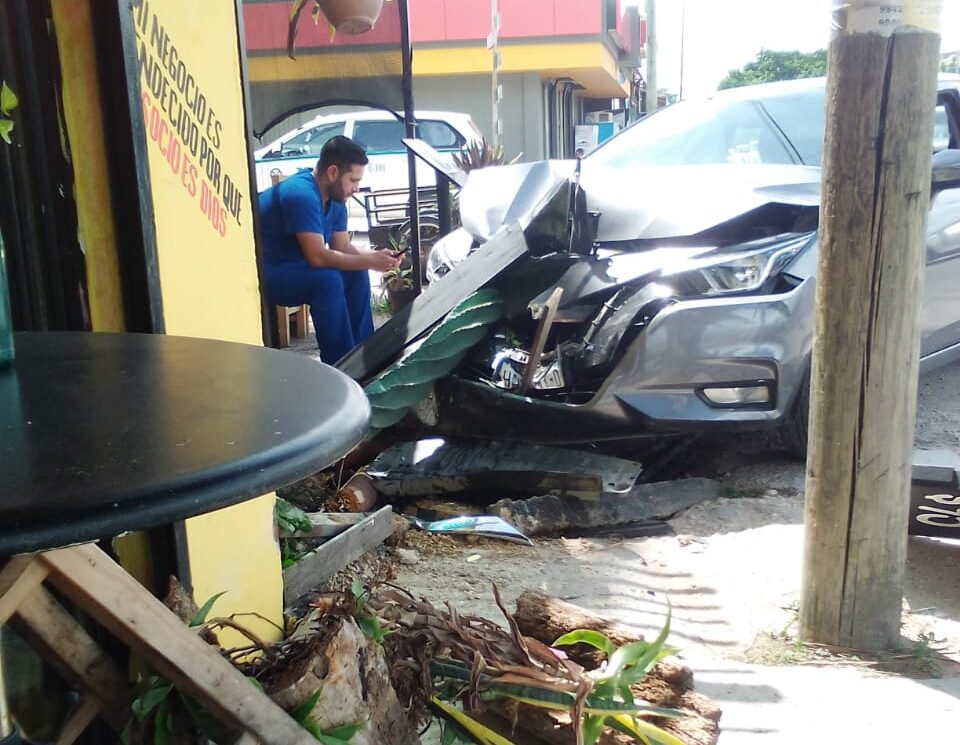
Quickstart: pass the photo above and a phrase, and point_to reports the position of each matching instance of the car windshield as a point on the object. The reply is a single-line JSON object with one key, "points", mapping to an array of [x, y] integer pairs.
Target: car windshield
{"points": [[774, 129]]}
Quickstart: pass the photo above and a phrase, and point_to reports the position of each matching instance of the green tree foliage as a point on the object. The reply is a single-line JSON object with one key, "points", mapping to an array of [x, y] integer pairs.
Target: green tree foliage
{"points": [[770, 66]]}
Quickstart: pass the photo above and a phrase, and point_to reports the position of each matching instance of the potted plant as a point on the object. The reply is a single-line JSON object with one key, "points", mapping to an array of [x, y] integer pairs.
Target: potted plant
{"points": [[481, 154], [345, 16], [399, 286]]}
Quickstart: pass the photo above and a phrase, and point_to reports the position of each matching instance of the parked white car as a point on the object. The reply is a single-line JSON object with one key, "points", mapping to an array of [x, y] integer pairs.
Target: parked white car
{"points": [[381, 134]]}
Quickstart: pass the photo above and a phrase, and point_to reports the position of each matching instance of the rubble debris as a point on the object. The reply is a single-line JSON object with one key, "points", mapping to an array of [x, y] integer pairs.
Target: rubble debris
{"points": [[434, 467], [657, 501], [358, 494], [440, 509], [469, 525], [329, 558], [407, 556]]}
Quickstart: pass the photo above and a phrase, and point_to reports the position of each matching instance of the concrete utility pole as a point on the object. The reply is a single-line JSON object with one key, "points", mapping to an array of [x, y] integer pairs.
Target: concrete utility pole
{"points": [[881, 92], [653, 97]]}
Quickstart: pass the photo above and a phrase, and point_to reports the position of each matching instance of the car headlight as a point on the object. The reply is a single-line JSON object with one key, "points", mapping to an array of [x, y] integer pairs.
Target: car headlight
{"points": [[447, 253], [742, 268]]}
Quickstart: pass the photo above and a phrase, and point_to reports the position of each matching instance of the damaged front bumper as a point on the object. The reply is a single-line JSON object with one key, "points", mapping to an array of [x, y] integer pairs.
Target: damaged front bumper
{"points": [[683, 373]]}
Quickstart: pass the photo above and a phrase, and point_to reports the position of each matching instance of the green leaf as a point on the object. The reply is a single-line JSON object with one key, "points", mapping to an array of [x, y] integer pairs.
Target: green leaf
{"points": [[371, 628], [449, 735], [291, 518], [344, 732], [645, 662], [127, 733], [163, 726], [205, 723], [8, 99], [302, 713], [478, 733], [150, 700], [585, 636], [200, 617], [592, 728], [6, 127], [643, 731]]}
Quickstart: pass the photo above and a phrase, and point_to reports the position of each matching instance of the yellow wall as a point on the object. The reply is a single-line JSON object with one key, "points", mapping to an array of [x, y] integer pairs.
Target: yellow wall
{"points": [[199, 177], [590, 63]]}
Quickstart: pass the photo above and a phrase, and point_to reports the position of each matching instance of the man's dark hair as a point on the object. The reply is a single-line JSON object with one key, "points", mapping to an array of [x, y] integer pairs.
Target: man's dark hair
{"points": [[343, 153]]}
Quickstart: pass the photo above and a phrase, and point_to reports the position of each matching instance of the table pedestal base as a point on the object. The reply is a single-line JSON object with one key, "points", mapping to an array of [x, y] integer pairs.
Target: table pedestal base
{"points": [[98, 586]]}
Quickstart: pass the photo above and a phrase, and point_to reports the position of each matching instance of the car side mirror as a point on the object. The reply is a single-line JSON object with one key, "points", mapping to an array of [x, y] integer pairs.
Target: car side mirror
{"points": [[946, 170]]}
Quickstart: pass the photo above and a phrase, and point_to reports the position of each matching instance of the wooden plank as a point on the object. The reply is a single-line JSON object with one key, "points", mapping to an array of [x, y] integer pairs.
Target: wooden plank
{"points": [[548, 313], [327, 524], [20, 577], [876, 186], [438, 299], [66, 645], [79, 720], [114, 599], [283, 326], [300, 321], [336, 553]]}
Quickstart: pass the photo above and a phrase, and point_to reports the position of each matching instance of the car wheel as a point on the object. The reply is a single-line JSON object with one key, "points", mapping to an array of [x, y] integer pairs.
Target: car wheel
{"points": [[793, 434]]}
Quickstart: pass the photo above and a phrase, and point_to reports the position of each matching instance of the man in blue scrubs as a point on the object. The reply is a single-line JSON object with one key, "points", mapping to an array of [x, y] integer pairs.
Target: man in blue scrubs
{"points": [[307, 253]]}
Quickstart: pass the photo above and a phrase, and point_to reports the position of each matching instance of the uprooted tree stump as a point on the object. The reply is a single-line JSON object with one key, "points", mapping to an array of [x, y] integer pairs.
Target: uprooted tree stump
{"points": [[332, 654], [546, 619]]}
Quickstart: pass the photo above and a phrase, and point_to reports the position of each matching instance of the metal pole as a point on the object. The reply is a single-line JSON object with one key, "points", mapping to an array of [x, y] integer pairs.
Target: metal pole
{"points": [[493, 44], [406, 51], [653, 97], [444, 205], [683, 39]]}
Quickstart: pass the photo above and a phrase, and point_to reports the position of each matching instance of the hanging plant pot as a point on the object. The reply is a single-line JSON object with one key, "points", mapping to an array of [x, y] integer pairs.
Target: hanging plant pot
{"points": [[351, 16]]}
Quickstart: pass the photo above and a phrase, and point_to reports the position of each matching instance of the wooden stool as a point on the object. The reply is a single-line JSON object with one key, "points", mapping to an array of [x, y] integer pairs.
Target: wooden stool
{"points": [[291, 323]]}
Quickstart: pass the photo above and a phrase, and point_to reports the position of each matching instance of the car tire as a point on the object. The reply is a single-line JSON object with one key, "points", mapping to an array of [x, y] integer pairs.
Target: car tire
{"points": [[793, 433]]}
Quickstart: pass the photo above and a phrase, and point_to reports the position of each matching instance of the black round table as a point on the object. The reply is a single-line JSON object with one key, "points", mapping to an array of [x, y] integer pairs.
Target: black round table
{"points": [[106, 433]]}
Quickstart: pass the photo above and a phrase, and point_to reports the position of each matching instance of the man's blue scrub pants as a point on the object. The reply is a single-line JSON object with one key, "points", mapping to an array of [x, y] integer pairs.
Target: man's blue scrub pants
{"points": [[339, 303]]}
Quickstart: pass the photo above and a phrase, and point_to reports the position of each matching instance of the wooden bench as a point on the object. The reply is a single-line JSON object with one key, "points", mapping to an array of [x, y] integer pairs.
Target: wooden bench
{"points": [[292, 323]]}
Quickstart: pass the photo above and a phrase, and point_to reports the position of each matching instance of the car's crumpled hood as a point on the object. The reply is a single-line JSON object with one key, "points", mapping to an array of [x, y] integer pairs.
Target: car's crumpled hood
{"points": [[636, 203]]}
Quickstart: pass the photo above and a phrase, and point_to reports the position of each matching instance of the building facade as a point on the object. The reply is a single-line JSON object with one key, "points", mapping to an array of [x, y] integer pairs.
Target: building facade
{"points": [[559, 59]]}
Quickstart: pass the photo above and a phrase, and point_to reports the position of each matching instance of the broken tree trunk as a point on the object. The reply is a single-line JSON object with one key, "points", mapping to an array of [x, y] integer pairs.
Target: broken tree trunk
{"points": [[881, 91], [547, 618], [352, 674]]}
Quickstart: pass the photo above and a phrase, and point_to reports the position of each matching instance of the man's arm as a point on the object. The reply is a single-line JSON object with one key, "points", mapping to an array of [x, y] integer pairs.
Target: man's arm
{"points": [[340, 241], [318, 255]]}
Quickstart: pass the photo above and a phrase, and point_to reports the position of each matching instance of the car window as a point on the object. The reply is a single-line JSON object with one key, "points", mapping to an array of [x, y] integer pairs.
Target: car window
{"points": [[801, 117], [698, 133], [941, 129], [379, 136], [440, 135], [309, 142]]}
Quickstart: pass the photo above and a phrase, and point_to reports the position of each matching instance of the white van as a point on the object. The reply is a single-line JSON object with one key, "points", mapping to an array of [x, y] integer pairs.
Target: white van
{"points": [[380, 133]]}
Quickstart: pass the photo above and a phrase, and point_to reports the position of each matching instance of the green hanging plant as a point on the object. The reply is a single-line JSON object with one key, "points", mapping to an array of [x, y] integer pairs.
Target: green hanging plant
{"points": [[409, 380]]}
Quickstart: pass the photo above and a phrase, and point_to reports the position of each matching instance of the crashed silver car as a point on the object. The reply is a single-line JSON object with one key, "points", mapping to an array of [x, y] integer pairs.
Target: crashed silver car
{"points": [[667, 282]]}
